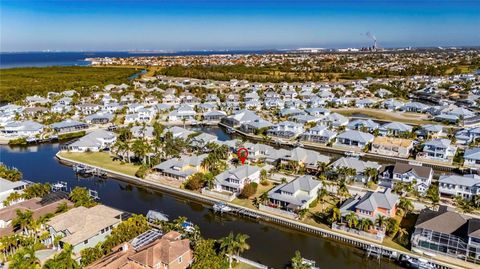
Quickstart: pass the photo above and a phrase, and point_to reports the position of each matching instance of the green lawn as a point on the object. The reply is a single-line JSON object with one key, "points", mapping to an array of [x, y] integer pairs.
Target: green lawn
{"points": [[243, 266], [17, 83], [101, 159]]}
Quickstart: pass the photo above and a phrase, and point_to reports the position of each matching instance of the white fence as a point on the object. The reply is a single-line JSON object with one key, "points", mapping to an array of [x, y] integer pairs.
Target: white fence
{"points": [[219, 195]]}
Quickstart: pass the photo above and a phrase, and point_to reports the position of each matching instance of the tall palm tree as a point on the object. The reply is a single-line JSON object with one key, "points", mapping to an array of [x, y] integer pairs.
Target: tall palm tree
{"points": [[343, 192], [228, 246], [321, 193]]}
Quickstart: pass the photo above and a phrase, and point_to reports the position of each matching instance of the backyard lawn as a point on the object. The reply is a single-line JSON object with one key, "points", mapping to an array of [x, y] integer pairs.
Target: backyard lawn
{"points": [[101, 159]]}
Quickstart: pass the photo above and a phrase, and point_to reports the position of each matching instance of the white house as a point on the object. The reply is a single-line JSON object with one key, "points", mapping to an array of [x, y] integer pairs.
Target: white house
{"points": [[235, 179]]}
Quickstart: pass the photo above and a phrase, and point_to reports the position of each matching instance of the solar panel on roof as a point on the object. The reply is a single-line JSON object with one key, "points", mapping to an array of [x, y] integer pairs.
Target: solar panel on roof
{"points": [[146, 238]]}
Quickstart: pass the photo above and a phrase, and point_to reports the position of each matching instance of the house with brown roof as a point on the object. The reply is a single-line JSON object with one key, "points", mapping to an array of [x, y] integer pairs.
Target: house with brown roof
{"points": [[391, 146], [170, 251], [38, 206], [84, 227], [419, 176], [447, 232]]}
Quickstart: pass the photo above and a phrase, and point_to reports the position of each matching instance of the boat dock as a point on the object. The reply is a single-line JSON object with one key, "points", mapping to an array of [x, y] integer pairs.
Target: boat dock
{"points": [[89, 170]]}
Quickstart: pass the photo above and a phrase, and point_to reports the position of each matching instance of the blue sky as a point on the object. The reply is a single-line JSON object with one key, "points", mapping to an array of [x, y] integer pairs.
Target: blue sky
{"points": [[27, 25]]}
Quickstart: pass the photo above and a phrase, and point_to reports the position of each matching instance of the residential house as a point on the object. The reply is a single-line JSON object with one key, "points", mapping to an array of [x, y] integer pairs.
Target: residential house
{"points": [[334, 120], [371, 205], [149, 250], [438, 150], [143, 132], [305, 158], [391, 146], [214, 115], [27, 128], [83, 227], [395, 129], [95, 141], [466, 186], [99, 118], [295, 195], [354, 139], [446, 232], [233, 180], [286, 129], [357, 165], [38, 206], [8, 187], [319, 134], [363, 125], [472, 158], [180, 168], [68, 126], [419, 176]]}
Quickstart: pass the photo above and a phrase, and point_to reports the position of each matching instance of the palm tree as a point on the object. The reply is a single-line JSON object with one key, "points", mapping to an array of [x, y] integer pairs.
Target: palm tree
{"points": [[352, 220], [381, 221], [208, 179], [23, 220], [321, 193], [365, 224], [228, 246], [401, 234], [62, 260], [406, 205], [241, 243], [371, 173], [335, 214], [24, 259], [343, 192]]}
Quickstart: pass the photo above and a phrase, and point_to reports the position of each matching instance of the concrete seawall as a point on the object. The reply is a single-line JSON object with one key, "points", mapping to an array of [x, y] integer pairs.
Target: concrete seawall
{"points": [[264, 216]]}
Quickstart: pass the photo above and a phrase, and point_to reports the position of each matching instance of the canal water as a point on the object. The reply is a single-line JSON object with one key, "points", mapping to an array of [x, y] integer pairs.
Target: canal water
{"points": [[270, 244]]}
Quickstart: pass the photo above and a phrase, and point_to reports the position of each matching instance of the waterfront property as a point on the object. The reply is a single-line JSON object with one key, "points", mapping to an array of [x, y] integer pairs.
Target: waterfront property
{"points": [[295, 195], [472, 158], [84, 227], [359, 166], [92, 142], [371, 205], [233, 180], [8, 187], [69, 125], [18, 129], [149, 250], [440, 150], [466, 186], [319, 134], [449, 233], [354, 139], [391, 146], [419, 176], [180, 168], [38, 206]]}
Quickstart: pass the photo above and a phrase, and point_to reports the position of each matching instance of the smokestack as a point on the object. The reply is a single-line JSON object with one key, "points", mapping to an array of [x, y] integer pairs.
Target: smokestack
{"points": [[371, 36]]}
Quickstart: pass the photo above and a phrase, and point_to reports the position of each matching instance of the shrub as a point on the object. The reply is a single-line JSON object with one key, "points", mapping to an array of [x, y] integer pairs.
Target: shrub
{"points": [[195, 182], [249, 190]]}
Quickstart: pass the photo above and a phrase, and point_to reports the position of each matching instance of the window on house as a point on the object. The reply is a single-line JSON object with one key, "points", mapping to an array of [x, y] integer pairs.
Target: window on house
{"points": [[180, 259], [85, 242]]}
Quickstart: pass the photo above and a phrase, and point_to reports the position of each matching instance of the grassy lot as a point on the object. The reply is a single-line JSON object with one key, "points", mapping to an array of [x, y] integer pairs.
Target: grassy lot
{"points": [[412, 118], [242, 265], [17, 83], [101, 159]]}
